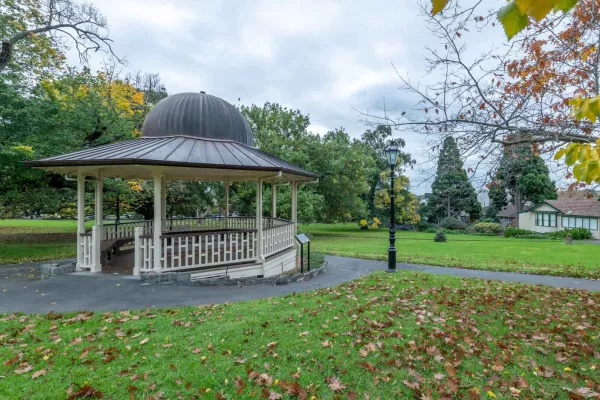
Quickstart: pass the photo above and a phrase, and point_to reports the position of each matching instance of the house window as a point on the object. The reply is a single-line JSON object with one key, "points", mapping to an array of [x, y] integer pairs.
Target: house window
{"points": [[545, 219], [580, 222]]}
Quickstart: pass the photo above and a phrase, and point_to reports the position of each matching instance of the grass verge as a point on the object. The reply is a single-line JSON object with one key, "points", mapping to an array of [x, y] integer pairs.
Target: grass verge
{"points": [[543, 257], [400, 335]]}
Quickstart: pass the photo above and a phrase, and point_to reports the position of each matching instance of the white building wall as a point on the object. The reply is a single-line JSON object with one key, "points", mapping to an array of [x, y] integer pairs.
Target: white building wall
{"points": [[526, 220]]}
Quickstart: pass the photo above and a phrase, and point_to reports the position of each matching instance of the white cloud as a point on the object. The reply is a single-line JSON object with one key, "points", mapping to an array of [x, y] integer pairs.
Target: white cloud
{"points": [[325, 58]]}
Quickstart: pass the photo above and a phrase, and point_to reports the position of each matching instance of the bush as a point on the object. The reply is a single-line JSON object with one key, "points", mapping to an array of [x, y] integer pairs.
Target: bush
{"points": [[453, 224], [557, 234], [488, 227], [511, 231], [440, 237], [405, 227], [488, 219], [579, 233], [533, 235], [431, 230], [423, 226]]}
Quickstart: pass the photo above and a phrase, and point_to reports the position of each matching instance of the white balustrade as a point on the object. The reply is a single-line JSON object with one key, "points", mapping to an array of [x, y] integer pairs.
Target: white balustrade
{"points": [[279, 237], [144, 251], [126, 229], [86, 251], [210, 242], [207, 249]]}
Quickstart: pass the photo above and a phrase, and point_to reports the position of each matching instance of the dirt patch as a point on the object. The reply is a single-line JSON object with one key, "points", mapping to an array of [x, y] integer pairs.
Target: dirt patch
{"points": [[6, 237]]}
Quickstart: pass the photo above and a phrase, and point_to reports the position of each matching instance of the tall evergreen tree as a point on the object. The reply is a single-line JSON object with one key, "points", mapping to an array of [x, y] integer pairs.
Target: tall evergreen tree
{"points": [[452, 192], [521, 177]]}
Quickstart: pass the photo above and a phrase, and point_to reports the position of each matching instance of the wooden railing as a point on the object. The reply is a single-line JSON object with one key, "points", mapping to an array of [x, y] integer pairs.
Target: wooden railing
{"points": [[198, 246], [126, 229], [207, 249], [144, 252], [85, 255], [208, 223], [278, 237], [88, 256]]}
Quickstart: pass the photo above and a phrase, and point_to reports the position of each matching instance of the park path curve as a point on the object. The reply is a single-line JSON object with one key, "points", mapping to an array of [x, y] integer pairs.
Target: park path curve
{"points": [[75, 292]]}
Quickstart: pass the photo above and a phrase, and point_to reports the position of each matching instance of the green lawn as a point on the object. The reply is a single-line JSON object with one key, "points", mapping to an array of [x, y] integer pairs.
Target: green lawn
{"points": [[23, 240], [41, 225], [547, 257], [406, 335]]}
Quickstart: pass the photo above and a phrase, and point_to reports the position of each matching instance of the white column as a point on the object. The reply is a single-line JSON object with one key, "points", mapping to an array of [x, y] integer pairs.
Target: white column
{"points": [[96, 254], [158, 205], [98, 229], [80, 218], [274, 200], [259, 220], [295, 206], [164, 205], [137, 249], [226, 187], [99, 201]]}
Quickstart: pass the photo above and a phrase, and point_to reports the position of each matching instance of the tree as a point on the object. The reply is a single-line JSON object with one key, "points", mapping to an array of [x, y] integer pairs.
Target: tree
{"points": [[340, 161], [452, 192], [375, 142], [515, 16], [521, 177], [405, 202], [75, 110], [33, 30]]}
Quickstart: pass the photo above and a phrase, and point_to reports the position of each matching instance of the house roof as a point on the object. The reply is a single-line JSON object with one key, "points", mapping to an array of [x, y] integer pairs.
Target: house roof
{"points": [[175, 151], [509, 211], [573, 206]]}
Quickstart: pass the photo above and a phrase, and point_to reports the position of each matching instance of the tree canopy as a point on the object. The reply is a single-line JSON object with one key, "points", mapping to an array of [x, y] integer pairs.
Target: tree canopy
{"points": [[452, 194], [521, 177]]}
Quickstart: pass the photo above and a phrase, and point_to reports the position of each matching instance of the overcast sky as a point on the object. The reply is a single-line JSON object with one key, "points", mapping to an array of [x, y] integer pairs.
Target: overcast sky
{"points": [[325, 58]]}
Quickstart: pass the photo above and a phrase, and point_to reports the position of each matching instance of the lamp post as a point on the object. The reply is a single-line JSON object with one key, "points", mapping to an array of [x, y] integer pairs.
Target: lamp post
{"points": [[392, 157]]}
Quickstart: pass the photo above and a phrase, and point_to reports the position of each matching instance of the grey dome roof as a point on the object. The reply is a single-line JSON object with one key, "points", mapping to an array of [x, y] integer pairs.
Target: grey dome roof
{"points": [[198, 115]]}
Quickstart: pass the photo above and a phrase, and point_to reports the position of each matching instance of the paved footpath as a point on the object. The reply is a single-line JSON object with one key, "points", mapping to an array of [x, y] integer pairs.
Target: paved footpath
{"points": [[84, 291]]}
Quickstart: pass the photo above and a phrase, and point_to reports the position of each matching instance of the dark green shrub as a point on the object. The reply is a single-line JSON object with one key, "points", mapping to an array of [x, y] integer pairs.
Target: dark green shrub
{"points": [[422, 226], [557, 234], [511, 231], [533, 236], [579, 233], [487, 227], [431, 230], [494, 220], [440, 237], [453, 224]]}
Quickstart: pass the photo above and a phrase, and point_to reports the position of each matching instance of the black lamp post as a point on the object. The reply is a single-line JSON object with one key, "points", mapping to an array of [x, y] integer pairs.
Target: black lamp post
{"points": [[392, 153]]}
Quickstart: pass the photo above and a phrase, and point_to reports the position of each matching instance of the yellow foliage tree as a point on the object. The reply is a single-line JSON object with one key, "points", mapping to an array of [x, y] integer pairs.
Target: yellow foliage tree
{"points": [[406, 203]]}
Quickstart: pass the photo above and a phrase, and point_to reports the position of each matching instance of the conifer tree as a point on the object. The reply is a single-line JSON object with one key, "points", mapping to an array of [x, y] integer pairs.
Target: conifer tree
{"points": [[453, 194]]}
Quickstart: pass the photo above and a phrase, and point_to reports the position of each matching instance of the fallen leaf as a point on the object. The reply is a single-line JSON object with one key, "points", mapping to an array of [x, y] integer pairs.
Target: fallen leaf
{"points": [[38, 373]]}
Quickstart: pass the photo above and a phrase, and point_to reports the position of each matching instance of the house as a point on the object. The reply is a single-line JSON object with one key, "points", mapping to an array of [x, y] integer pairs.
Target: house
{"points": [[563, 213], [508, 215]]}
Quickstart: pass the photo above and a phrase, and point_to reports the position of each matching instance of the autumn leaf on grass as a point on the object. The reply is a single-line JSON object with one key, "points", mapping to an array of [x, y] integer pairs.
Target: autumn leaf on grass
{"points": [[23, 368], [275, 396], [450, 369], [144, 341], [38, 373], [13, 360], [582, 393], [335, 384], [240, 384], [86, 392]]}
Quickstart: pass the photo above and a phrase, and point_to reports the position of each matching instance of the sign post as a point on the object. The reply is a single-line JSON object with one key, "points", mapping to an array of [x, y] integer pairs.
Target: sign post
{"points": [[302, 238]]}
